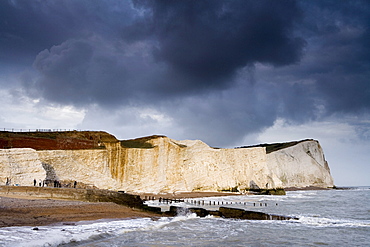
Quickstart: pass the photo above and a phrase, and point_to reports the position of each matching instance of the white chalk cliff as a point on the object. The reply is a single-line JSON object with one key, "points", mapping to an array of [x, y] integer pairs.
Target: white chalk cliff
{"points": [[160, 164], [300, 165], [20, 166]]}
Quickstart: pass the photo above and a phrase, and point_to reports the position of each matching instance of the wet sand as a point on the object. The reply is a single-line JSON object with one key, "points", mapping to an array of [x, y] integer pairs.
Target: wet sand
{"points": [[37, 212]]}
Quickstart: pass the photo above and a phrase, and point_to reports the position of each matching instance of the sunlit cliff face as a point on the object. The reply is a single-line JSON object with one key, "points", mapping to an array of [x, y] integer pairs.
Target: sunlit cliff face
{"points": [[160, 164]]}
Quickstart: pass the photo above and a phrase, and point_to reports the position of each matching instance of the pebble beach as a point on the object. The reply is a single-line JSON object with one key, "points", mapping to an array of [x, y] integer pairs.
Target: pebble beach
{"points": [[37, 212], [32, 211]]}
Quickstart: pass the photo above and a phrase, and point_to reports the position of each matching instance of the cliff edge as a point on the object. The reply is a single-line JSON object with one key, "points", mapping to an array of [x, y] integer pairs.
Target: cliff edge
{"points": [[160, 164]]}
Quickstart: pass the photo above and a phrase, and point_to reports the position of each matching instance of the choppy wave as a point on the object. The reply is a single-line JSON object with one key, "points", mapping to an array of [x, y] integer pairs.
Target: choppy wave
{"points": [[86, 231], [327, 222], [323, 215]]}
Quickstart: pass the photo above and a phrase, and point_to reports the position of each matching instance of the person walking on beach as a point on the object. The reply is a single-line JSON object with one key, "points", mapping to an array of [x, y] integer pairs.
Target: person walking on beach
{"points": [[34, 182]]}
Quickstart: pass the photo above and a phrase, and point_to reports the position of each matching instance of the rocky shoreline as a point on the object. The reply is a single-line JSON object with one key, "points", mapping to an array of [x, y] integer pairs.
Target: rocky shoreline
{"points": [[21, 210], [32, 211]]}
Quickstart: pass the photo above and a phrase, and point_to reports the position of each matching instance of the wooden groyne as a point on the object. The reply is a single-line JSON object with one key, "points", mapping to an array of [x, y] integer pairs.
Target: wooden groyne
{"points": [[225, 212], [134, 201], [206, 202]]}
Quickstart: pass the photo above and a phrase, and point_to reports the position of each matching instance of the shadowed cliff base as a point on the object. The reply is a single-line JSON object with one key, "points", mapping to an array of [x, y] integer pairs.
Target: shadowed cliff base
{"points": [[307, 188], [182, 195], [199, 194]]}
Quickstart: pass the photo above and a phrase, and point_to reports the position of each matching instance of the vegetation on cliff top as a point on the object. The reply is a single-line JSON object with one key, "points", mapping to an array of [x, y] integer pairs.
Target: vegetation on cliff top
{"points": [[83, 135], [276, 146], [142, 142], [56, 140]]}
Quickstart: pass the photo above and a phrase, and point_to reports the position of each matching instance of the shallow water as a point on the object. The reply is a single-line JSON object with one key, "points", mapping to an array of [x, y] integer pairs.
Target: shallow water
{"points": [[326, 218]]}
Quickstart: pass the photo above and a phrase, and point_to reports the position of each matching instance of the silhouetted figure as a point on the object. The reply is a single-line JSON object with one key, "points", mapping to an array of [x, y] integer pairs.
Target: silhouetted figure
{"points": [[34, 182], [75, 184]]}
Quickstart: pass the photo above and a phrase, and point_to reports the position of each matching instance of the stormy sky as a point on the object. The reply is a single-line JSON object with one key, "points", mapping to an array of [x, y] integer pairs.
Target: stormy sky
{"points": [[230, 73]]}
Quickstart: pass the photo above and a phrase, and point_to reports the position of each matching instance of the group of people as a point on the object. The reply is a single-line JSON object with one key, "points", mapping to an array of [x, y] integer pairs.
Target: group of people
{"points": [[52, 183], [40, 183], [46, 183]]}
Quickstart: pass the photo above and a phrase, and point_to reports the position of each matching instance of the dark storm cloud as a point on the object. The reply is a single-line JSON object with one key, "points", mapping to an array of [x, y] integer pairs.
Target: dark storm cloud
{"points": [[225, 67], [24, 31], [207, 41], [333, 78], [90, 71], [223, 119], [339, 59], [191, 47], [28, 27]]}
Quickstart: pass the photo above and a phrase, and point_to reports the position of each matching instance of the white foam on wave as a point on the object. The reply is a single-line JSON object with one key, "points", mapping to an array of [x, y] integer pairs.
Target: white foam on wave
{"points": [[162, 222], [56, 235], [328, 222], [301, 194]]}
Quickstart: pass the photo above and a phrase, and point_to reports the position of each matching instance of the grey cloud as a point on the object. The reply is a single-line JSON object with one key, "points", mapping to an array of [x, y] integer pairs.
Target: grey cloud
{"points": [[340, 56], [207, 41], [90, 71], [186, 59], [333, 76], [192, 47], [28, 27]]}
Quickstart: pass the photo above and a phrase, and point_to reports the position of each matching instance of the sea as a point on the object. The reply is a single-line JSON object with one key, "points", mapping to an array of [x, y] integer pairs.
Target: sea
{"points": [[325, 218]]}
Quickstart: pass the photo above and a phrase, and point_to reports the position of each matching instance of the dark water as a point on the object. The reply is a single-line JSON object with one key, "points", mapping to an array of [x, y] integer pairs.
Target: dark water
{"points": [[326, 218]]}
